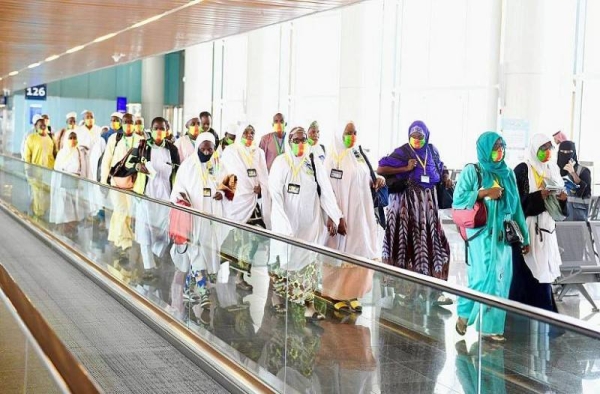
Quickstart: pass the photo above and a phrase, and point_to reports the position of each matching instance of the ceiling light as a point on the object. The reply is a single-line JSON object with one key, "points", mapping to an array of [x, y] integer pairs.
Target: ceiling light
{"points": [[13, 73], [34, 65], [53, 57], [75, 49], [106, 37], [194, 2], [149, 20]]}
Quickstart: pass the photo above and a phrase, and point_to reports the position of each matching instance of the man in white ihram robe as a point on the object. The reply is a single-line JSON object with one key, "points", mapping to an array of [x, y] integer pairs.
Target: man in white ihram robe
{"points": [[65, 204], [197, 182], [88, 138]]}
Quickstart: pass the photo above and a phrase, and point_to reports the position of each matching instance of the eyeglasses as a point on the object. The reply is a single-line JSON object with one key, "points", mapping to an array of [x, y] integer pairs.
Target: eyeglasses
{"points": [[298, 140], [545, 148]]}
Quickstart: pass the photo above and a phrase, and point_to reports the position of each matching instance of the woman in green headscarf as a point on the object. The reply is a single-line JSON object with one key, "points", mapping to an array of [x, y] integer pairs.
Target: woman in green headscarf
{"points": [[490, 258]]}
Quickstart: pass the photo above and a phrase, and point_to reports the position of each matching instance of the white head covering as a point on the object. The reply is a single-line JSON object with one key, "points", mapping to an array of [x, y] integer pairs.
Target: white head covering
{"points": [[117, 114], [36, 118], [232, 128], [205, 136], [187, 124], [338, 136], [85, 111], [548, 170], [72, 115]]}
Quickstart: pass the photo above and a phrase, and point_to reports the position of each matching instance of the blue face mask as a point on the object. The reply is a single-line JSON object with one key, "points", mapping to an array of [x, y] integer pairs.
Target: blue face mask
{"points": [[203, 158]]}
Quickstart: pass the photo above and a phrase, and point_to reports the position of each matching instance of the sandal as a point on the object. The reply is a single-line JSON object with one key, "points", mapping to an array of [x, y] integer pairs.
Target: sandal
{"points": [[461, 326], [342, 306], [496, 338], [356, 305], [316, 316], [442, 301]]}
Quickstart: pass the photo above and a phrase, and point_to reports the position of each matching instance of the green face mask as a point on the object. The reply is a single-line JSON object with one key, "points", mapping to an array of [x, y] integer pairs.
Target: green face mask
{"points": [[228, 141], [245, 141], [311, 142], [349, 140], [298, 149], [543, 155]]}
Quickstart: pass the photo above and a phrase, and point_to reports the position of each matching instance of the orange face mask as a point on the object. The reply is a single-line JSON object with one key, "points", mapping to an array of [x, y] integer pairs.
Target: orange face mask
{"points": [[194, 130]]}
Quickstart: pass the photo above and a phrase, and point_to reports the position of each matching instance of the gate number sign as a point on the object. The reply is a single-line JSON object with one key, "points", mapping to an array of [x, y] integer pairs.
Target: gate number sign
{"points": [[36, 92]]}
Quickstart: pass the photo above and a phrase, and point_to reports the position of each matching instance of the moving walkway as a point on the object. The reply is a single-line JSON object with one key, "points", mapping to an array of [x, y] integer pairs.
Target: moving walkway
{"points": [[133, 333]]}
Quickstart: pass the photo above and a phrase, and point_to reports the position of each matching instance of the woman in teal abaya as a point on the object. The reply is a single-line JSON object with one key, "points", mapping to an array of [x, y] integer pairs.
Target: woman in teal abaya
{"points": [[490, 257]]}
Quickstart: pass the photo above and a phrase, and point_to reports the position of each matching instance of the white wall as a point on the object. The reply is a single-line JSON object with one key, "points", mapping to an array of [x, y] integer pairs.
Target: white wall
{"points": [[462, 66]]}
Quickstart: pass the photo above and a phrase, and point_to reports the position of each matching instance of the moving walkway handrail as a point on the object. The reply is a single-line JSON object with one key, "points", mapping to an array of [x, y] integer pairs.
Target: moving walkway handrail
{"points": [[530, 312], [72, 373]]}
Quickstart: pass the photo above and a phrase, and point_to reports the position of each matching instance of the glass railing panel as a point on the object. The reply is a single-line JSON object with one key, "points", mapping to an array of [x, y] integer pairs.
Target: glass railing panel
{"points": [[403, 340], [22, 369]]}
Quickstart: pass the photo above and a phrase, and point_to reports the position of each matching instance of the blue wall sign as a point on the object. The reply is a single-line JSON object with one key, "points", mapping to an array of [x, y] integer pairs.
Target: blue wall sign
{"points": [[122, 104], [38, 92]]}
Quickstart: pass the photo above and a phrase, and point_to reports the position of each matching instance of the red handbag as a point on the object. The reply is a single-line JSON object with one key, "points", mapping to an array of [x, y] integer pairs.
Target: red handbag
{"points": [[475, 217], [180, 224]]}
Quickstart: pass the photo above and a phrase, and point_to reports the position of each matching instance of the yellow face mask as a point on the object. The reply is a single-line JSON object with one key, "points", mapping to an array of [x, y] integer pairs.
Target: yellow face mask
{"points": [[89, 122], [159, 134], [115, 125], [139, 128], [194, 130]]}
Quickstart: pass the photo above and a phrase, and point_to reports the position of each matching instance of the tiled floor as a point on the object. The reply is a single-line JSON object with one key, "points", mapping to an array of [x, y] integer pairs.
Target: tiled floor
{"points": [[401, 342]]}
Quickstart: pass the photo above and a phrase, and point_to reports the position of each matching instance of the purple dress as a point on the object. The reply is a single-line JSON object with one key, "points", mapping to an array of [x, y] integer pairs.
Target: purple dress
{"points": [[414, 238]]}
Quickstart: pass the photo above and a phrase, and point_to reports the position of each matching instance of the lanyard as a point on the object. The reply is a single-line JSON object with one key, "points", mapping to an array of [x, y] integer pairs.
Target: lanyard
{"points": [[295, 169], [338, 159], [423, 164], [128, 146], [204, 174], [248, 158], [278, 145], [539, 179]]}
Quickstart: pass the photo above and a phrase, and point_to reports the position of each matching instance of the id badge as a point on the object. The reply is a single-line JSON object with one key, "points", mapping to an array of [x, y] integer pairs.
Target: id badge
{"points": [[251, 173], [293, 188], [336, 174], [207, 192], [424, 179]]}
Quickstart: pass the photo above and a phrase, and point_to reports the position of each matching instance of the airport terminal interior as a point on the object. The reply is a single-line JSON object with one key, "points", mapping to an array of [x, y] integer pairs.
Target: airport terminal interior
{"points": [[293, 196]]}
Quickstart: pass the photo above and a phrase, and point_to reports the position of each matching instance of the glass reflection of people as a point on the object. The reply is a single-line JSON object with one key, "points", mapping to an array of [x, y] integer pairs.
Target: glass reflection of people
{"points": [[66, 209], [480, 371], [248, 201], [490, 258], [414, 238], [196, 187], [39, 150], [352, 185], [345, 363], [120, 232], [534, 273], [155, 165], [299, 210]]}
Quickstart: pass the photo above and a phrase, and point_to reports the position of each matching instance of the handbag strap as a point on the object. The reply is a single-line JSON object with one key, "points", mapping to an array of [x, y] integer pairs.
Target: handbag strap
{"points": [[312, 163], [373, 176]]}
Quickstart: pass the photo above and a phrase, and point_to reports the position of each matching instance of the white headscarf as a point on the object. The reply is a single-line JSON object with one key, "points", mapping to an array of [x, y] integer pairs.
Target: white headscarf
{"points": [[205, 136], [548, 170]]}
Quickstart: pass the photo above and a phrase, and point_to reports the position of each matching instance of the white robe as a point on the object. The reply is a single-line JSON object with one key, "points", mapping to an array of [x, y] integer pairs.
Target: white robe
{"points": [[186, 147], [95, 146], [65, 196], [544, 257], [302, 215], [152, 220], [207, 236], [238, 159], [353, 196]]}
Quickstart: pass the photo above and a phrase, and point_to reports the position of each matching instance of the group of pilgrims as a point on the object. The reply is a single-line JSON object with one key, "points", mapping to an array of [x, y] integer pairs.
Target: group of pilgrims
{"points": [[290, 183]]}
